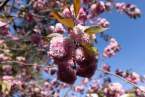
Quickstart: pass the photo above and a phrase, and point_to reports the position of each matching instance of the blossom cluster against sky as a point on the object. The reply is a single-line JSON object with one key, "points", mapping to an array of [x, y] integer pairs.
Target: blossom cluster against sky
{"points": [[131, 36]]}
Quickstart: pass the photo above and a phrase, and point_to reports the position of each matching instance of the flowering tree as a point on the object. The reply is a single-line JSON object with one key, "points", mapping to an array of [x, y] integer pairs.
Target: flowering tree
{"points": [[58, 38]]}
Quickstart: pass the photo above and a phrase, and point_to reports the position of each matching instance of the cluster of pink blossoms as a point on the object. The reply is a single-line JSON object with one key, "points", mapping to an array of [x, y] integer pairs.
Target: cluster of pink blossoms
{"points": [[129, 9], [114, 90], [132, 77], [112, 48]]}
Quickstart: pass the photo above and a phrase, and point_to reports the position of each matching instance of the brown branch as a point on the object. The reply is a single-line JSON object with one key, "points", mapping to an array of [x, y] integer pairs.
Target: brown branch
{"points": [[18, 62], [113, 74]]}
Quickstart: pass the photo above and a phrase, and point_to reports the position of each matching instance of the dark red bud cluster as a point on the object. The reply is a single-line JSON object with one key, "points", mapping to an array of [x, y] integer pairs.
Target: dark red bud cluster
{"points": [[83, 65], [35, 38]]}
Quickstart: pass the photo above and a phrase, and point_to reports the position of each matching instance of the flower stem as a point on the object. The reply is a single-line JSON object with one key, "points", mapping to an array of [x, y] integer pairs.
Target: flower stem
{"points": [[113, 74]]}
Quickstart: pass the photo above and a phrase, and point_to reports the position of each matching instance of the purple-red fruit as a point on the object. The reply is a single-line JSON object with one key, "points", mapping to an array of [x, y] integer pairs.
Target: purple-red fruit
{"points": [[66, 73], [35, 38], [88, 70], [87, 67]]}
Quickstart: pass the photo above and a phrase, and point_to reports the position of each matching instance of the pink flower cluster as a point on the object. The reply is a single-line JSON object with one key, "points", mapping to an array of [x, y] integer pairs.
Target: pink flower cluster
{"points": [[40, 4], [58, 28], [113, 90], [140, 93], [56, 48], [131, 77], [98, 21], [130, 9], [106, 68], [99, 7], [82, 15], [112, 48]]}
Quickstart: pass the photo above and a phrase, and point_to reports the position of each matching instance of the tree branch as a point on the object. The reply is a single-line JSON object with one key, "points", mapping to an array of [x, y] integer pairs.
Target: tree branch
{"points": [[18, 62], [3, 4], [113, 74]]}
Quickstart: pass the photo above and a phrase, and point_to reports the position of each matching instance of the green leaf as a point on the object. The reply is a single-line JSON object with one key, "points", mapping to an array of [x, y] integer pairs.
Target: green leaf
{"points": [[77, 4], [6, 18], [91, 49], [94, 29], [65, 21]]}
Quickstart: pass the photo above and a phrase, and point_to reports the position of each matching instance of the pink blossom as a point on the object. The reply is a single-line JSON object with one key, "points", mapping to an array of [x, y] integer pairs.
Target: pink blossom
{"points": [[79, 88], [8, 78], [114, 90], [59, 28], [7, 69], [57, 48], [3, 57], [21, 58], [98, 21], [82, 16], [133, 77], [120, 6], [79, 34], [130, 9], [140, 93], [112, 48], [106, 67], [66, 12], [79, 54], [39, 4], [85, 80], [103, 22], [3, 24], [2, 42]]}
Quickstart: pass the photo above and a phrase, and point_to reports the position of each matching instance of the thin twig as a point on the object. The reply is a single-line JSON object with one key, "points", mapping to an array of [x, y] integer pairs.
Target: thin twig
{"points": [[2, 6], [113, 74], [51, 66]]}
